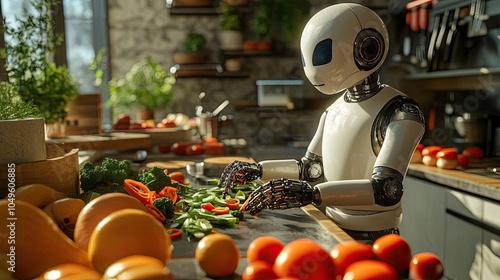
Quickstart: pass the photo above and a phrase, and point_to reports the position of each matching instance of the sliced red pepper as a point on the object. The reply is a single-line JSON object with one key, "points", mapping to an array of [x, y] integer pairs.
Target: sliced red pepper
{"points": [[220, 210], [233, 203], [174, 232], [155, 212], [137, 190], [170, 192], [152, 196], [208, 206]]}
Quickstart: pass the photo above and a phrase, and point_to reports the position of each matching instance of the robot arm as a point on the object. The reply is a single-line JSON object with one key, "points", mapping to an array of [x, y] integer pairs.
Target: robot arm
{"points": [[309, 168], [384, 188]]}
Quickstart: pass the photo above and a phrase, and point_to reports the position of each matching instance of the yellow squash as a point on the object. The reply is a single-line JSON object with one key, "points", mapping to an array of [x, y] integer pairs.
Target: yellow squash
{"points": [[36, 240], [39, 195]]}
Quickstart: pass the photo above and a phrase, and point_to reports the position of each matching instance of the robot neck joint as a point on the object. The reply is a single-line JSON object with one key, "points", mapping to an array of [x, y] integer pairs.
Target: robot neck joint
{"points": [[364, 90]]}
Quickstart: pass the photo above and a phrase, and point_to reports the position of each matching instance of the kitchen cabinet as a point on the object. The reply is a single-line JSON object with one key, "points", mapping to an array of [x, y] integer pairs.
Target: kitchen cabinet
{"points": [[424, 211], [463, 229]]}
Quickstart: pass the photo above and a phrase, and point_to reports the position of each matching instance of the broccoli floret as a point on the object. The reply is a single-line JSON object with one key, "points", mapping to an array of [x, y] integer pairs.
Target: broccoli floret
{"points": [[111, 171], [165, 205], [155, 179], [89, 178]]}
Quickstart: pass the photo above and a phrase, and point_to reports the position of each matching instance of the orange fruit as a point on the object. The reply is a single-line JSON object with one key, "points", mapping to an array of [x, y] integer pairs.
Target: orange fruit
{"points": [[70, 271], [217, 254], [122, 234], [138, 267]]}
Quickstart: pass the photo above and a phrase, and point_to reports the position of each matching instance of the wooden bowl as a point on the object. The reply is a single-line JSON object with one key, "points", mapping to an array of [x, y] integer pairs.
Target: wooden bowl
{"points": [[60, 173]]}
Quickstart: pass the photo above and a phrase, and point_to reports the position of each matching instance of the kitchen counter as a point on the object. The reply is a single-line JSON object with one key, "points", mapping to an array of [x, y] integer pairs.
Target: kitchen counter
{"points": [[477, 184], [286, 225]]}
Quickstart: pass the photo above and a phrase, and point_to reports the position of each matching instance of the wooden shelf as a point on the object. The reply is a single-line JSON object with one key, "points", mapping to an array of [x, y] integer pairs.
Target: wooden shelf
{"points": [[457, 80]]}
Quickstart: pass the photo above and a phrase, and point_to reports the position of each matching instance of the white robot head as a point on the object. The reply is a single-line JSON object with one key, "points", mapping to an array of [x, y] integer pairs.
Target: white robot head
{"points": [[341, 45]]}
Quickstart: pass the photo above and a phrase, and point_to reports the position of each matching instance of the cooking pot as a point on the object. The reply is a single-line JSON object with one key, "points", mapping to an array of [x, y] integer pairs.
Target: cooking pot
{"points": [[469, 131]]}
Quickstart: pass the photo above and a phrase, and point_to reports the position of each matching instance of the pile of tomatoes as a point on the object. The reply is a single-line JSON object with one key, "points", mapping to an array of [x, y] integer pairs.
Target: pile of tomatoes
{"points": [[209, 146], [388, 258], [446, 157]]}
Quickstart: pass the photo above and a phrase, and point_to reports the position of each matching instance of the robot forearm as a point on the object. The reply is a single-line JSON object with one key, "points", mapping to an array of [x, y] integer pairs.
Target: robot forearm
{"points": [[385, 188], [310, 168]]}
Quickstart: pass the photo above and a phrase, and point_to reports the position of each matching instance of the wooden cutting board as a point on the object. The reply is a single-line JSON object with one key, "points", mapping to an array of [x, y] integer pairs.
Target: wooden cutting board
{"points": [[224, 161], [214, 166], [171, 164]]}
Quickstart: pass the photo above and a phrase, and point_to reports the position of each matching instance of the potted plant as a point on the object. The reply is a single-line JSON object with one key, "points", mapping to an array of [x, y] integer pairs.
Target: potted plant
{"points": [[231, 35], [22, 126], [30, 67], [192, 50], [147, 86]]}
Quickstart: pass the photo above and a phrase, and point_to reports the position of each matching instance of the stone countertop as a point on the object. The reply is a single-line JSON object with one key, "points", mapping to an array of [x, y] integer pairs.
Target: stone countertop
{"points": [[477, 184]]}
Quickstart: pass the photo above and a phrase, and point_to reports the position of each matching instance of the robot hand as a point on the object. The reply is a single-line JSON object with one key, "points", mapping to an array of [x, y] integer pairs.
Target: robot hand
{"points": [[239, 172], [281, 194]]}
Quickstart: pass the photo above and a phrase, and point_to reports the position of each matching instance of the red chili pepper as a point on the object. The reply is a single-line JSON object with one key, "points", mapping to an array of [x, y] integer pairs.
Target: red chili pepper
{"points": [[170, 192], [233, 203], [208, 206], [156, 213], [137, 190], [220, 210]]}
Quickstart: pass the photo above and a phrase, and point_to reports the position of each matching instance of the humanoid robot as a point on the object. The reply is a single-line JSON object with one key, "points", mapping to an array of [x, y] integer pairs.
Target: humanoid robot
{"points": [[364, 140]]}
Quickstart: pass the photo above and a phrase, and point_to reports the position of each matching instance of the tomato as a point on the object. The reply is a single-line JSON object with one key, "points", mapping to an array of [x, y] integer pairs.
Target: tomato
{"points": [[347, 253], [264, 248], [194, 150], [213, 148], [305, 259], [463, 160], [233, 203], [431, 151], [394, 250], [420, 147], [179, 148], [473, 152], [447, 153], [220, 210], [164, 148], [258, 270], [426, 266], [370, 270]]}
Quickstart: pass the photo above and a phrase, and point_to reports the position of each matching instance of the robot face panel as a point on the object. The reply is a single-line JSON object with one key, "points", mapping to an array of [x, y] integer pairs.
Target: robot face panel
{"points": [[322, 53], [341, 45]]}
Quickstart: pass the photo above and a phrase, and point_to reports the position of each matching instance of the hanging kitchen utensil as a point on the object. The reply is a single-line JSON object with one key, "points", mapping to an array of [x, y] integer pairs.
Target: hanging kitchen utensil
{"points": [[450, 38], [439, 51], [432, 41], [423, 17]]}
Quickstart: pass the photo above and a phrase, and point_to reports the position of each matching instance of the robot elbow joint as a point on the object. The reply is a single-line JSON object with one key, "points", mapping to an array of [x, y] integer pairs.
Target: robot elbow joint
{"points": [[387, 191]]}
